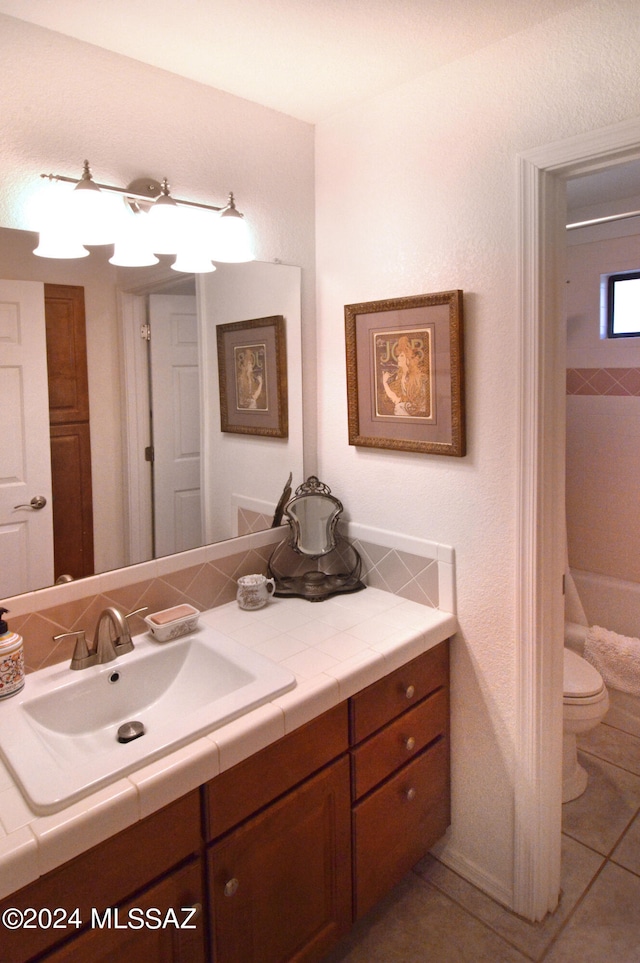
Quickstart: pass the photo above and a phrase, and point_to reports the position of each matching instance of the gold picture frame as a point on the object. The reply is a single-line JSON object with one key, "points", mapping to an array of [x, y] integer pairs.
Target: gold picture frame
{"points": [[252, 370], [405, 374]]}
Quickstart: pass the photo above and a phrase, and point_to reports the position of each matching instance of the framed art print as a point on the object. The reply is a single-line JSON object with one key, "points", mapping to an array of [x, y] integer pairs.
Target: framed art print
{"points": [[405, 374], [252, 369]]}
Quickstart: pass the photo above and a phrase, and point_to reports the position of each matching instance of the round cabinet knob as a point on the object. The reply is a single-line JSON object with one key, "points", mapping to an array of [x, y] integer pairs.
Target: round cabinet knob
{"points": [[410, 744], [410, 794], [410, 691], [231, 887]]}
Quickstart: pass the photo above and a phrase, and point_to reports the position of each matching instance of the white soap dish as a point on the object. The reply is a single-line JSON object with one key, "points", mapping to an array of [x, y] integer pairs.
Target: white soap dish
{"points": [[172, 623]]}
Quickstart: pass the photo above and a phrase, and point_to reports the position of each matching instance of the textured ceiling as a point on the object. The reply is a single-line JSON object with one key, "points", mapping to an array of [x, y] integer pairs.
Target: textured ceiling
{"points": [[608, 186], [307, 58]]}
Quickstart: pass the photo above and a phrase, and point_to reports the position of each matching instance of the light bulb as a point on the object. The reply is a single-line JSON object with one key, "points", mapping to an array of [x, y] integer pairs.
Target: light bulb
{"points": [[57, 237], [92, 212], [132, 247], [232, 238]]}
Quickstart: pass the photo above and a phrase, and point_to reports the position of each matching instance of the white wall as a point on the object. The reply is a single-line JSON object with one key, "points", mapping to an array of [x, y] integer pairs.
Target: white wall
{"points": [[417, 192]]}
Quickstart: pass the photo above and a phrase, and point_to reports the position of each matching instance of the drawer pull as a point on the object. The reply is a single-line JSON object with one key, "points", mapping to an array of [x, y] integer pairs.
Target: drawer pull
{"points": [[410, 794], [231, 887], [410, 691], [410, 744]]}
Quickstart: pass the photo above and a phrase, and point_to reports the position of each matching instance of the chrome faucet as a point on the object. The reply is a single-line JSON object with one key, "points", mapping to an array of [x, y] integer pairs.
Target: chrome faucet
{"points": [[112, 638], [105, 645]]}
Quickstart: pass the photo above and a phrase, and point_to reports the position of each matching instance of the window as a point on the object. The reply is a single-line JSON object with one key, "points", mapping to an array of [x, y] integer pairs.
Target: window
{"points": [[623, 305]]}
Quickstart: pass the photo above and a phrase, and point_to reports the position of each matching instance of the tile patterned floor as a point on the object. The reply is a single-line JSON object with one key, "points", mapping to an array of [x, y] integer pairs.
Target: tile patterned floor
{"points": [[434, 916]]}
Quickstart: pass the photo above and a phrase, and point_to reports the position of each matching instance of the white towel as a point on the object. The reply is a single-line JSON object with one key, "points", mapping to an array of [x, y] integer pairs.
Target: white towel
{"points": [[616, 657]]}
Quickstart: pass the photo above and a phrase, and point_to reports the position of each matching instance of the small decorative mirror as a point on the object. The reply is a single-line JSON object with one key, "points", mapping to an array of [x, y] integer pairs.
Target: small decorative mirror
{"points": [[313, 514], [316, 562]]}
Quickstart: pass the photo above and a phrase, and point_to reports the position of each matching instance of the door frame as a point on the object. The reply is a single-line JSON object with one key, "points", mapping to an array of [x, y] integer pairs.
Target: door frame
{"points": [[542, 174], [136, 428]]}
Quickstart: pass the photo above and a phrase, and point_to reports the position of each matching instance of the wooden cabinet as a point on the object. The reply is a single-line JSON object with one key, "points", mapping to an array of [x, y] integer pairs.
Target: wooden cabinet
{"points": [[290, 845], [280, 880], [156, 925], [106, 877], [400, 773], [280, 884]]}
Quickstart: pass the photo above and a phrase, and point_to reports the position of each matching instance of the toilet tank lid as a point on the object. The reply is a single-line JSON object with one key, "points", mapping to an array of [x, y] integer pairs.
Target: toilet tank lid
{"points": [[580, 677]]}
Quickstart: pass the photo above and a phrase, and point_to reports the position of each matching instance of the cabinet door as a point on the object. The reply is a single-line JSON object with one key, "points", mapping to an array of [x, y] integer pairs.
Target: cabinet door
{"points": [[105, 876], [145, 928], [281, 883]]}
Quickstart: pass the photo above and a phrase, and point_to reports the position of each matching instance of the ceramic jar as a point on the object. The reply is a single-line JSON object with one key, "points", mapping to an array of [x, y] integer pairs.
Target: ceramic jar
{"points": [[254, 591], [11, 664]]}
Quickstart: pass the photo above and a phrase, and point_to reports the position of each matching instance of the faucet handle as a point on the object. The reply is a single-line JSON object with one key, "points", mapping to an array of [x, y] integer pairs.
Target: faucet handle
{"points": [[81, 655], [126, 642]]}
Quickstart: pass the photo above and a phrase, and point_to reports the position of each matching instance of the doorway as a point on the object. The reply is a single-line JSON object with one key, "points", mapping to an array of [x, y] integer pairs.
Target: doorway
{"points": [[145, 440], [542, 217]]}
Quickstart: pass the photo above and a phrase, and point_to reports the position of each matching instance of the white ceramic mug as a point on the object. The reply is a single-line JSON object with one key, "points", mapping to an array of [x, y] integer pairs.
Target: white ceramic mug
{"points": [[254, 591]]}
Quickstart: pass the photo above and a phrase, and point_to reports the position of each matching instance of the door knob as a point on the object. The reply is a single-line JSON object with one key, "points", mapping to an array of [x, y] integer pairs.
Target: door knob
{"points": [[36, 503]]}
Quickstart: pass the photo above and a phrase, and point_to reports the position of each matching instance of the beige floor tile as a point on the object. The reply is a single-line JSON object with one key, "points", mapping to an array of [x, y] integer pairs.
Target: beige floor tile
{"points": [[627, 852], [417, 923], [606, 926], [579, 866], [624, 712], [617, 747], [600, 816]]}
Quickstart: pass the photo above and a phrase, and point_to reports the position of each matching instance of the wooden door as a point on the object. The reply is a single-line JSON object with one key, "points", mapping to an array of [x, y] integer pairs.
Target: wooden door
{"points": [[70, 437], [175, 395], [281, 884], [26, 541]]}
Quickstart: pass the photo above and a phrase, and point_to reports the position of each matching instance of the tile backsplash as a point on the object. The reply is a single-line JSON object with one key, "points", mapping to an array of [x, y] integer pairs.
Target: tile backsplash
{"points": [[413, 568], [401, 573], [192, 577], [604, 381]]}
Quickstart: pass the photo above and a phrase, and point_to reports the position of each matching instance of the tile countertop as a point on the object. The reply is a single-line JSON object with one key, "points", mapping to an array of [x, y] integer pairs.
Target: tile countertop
{"points": [[334, 648]]}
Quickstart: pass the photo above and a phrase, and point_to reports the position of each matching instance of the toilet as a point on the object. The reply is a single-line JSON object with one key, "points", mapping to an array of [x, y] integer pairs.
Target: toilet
{"points": [[585, 703]]}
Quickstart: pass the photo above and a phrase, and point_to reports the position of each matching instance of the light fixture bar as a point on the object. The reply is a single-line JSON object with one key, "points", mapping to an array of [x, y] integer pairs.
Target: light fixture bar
{"points": [[171, 225], [129, 193]]}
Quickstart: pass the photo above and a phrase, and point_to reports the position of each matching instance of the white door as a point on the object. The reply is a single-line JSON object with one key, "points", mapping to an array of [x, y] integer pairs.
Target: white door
{"points": [[26, 533], [175, 393]]}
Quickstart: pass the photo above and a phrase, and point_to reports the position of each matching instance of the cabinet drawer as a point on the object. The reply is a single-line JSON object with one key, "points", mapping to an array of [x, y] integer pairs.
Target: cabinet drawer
{"points": [[237, 793], [396, 825], [400, 741], [384, 700]]}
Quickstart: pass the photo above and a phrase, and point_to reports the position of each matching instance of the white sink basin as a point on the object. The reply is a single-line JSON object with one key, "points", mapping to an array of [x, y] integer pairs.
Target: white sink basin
{"points": [[59, 736]]}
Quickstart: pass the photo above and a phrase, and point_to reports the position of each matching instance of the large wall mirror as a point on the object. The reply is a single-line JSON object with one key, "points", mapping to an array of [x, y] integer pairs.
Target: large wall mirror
{"points": [[164, 478]]}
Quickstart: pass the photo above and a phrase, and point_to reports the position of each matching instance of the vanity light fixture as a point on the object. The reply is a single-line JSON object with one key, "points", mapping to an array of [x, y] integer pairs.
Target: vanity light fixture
{"points": [[150, 222]]}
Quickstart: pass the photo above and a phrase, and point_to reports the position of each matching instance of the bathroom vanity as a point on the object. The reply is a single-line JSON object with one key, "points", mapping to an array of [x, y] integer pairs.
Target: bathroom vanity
{"points": [[267, 838]]}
